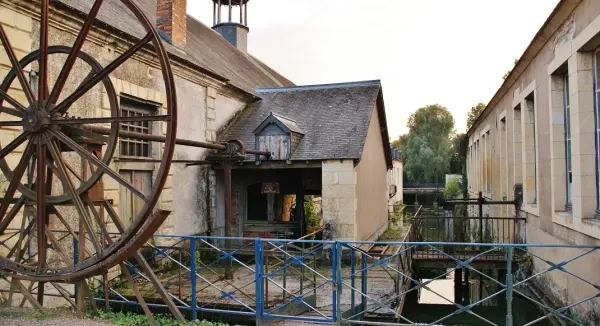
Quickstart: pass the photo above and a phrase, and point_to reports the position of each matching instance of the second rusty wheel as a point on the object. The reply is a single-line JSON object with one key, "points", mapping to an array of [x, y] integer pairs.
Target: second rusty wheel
{"points": [[50, 169]]}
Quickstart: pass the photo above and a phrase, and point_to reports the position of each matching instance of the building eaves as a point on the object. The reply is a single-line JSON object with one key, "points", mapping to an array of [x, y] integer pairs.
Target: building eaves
{"points": [[558, 16], [318, 86], [206, 51]]}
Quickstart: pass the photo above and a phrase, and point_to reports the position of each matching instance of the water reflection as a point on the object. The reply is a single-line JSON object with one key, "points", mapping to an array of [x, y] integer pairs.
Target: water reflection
{"points": [[457, 288]]}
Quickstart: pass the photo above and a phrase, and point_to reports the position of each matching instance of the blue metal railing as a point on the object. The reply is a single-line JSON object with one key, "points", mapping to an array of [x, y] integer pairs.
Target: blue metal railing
{"points": [[341, 282]]}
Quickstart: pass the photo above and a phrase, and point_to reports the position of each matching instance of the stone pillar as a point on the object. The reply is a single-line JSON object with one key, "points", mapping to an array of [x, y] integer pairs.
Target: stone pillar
{"points": [[211, 115], [339, 197]]}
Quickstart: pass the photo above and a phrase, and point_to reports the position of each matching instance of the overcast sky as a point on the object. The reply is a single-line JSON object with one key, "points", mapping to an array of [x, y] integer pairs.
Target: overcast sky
{"points": [[451, 52]]}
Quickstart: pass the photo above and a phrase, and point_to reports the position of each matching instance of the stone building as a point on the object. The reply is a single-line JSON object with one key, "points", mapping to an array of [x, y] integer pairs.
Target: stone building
{"points": [[326, 140], [214, 80], [395, 178], [541, 131], [218, 83]]}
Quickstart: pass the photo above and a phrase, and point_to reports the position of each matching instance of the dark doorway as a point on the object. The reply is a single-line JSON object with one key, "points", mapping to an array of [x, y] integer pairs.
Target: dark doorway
{"points": [[257, 204]]}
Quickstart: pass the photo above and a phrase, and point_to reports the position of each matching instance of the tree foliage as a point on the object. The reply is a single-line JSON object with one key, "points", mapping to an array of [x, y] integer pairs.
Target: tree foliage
{"points": [[458, 161], [474, 113], [510, 70], [427, 148], [452, 190]]}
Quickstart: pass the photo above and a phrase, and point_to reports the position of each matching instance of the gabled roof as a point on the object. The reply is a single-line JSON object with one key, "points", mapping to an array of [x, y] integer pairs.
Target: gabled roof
{"points": [[287, 124], [205, 48], [335, 118]]}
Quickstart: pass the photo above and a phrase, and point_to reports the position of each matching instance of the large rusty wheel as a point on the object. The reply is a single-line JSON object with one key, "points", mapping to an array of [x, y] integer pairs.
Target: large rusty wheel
{"points": [[48, 168]]}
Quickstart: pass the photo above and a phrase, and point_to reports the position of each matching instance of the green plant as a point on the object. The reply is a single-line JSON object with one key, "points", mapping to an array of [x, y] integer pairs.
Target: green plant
{"points": [[452, 190], [131, 319], [311, 214], [397, 211]]}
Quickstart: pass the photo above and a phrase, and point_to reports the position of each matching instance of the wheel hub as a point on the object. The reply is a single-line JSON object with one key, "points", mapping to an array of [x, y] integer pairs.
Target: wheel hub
{"points": [[36, 119]]}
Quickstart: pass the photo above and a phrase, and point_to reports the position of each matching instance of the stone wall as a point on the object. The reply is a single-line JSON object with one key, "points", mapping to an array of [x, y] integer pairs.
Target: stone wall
{"points": [[339, 200], [371, 186], [566, 51]]}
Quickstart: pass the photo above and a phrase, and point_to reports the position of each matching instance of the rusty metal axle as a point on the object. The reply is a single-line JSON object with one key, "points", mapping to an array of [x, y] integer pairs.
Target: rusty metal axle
{"points": [[184, 142]]}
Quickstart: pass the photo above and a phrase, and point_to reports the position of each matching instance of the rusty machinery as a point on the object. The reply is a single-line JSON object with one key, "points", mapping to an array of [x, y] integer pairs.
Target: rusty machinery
{"points": [[59, 152]]}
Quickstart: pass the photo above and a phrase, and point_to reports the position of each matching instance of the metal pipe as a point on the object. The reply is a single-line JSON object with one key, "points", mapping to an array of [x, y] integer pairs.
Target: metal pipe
{"points": [[228, 215], [246, 14], [241, 12], [219, 13], [230, 11], [185, 142], [214, 13]]}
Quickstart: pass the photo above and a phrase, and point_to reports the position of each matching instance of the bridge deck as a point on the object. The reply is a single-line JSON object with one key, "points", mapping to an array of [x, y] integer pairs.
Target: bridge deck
{"points": [[426, 258]]}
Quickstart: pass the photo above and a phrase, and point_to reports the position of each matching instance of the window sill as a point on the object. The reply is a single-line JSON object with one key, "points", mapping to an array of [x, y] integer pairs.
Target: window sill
{"points": [[587, 226], [531, 209]]}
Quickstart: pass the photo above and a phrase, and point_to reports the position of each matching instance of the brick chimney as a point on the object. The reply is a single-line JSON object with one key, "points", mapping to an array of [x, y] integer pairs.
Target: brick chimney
{"points": [[171, 19]]}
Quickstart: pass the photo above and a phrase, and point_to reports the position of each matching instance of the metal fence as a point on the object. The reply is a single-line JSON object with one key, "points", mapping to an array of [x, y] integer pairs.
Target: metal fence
{"points": [[495, 230], [337, 282]]}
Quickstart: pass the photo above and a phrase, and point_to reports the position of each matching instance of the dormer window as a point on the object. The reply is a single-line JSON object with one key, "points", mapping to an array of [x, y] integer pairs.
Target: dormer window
{"points": [[279, 135]]}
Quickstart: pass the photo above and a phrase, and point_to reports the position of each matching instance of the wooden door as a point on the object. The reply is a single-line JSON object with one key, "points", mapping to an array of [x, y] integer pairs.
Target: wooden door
{"points": [[130, 204]]}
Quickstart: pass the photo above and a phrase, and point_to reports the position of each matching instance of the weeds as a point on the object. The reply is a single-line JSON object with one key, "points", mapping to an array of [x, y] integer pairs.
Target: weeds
{"points": [[131, 319]]}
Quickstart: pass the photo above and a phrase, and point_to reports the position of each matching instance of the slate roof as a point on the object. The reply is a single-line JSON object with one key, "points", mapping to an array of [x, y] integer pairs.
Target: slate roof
{"points": [[334, 118], [205, 48]]}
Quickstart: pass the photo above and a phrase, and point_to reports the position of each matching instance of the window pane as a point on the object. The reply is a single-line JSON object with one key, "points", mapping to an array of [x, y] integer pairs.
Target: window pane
{"points": [[597, 114], [132, 147]]}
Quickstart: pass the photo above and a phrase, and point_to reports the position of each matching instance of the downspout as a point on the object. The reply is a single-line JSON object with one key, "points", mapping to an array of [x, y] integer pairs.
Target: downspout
{"points": [[209, 221]]}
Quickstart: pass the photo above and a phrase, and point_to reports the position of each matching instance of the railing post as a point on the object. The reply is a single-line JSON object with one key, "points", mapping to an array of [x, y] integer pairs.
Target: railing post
{"points": [[352, 271], [363, 285], [509, 285], [284, 272], [258, 275], [480, 201], [338, 277], [75, 260], [193, 279], [334, 259]]}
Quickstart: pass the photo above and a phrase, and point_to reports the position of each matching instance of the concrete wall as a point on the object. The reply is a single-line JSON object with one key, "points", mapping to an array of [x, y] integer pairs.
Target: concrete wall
{"points": [[371, 186], [518, 154]]}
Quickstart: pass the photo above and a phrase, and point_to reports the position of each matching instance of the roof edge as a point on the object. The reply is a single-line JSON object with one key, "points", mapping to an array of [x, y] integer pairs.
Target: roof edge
{"points": [[383, 129], [319, 86], [527, 57]]}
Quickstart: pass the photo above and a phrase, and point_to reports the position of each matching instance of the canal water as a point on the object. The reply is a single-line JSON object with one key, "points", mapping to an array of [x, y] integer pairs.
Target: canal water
{"points": [[440, 298]]}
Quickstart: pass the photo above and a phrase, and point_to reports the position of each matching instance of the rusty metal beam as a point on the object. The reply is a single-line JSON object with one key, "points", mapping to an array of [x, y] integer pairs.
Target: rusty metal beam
{"points": [[185, 142]]}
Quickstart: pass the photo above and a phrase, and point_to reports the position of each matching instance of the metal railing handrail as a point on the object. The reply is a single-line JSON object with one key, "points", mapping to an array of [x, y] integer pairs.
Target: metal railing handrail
{"points": [[336, 274]]}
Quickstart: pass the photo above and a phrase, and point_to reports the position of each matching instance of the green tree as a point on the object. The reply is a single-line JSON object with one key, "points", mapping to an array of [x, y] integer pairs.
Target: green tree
{"points": [[452, 190], [474, 114], [427, 148], [510, 70], [458, 161]]}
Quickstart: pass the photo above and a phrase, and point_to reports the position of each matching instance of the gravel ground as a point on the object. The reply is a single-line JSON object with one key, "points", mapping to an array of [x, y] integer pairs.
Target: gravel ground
{"points": [[29, 317], [50, 322]]}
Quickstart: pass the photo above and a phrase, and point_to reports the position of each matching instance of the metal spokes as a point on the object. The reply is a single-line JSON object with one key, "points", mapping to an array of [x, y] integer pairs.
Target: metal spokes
{"points": [[55, 160]]}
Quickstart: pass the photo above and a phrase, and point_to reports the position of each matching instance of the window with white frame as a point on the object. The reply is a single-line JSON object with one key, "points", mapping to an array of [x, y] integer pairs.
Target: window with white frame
{"points": [[568, 160], [488, 162], [596, 69], [530, 153]]}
